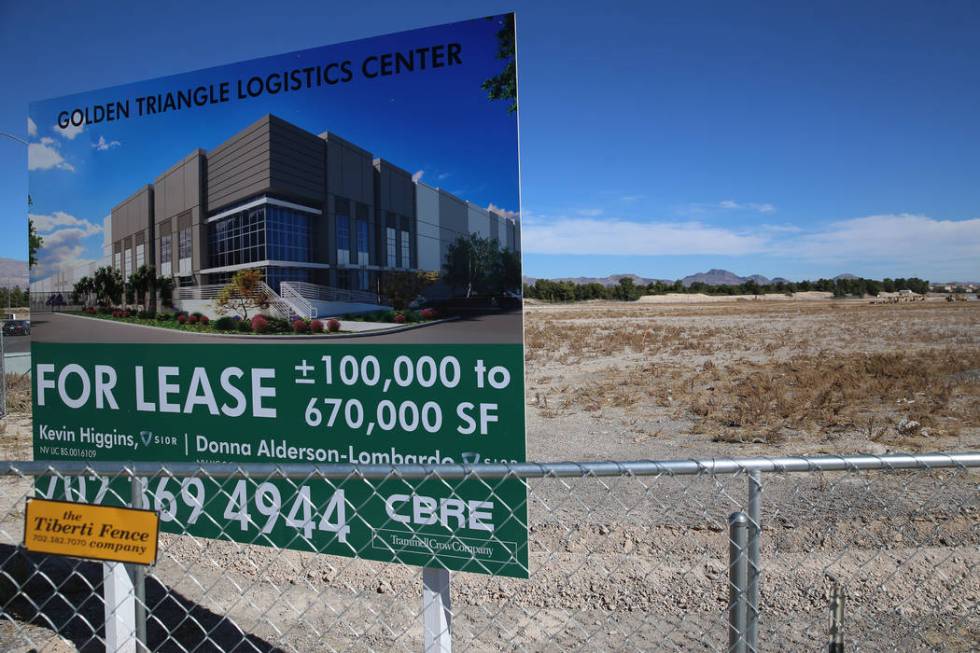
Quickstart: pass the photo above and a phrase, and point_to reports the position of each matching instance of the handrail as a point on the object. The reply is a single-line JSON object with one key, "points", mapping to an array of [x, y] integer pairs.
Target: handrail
{"points": [[276, 302], [289, 294], [327, 293]]}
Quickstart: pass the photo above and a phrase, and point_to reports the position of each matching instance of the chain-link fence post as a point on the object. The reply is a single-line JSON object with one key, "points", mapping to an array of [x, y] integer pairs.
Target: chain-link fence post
{"points": [[836, 620], [139, 576], [737, 580], [753, 565], [3, 375]]}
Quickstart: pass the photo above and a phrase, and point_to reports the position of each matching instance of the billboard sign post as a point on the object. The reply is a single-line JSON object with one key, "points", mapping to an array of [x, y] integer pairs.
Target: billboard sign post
{"points": [[254, 263]]}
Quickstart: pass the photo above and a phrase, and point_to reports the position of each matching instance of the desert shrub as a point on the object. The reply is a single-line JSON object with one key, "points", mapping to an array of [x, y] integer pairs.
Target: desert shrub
{"points": [[225, 323], [260, 324], [316, 326], [300, 326], [333, 326]]}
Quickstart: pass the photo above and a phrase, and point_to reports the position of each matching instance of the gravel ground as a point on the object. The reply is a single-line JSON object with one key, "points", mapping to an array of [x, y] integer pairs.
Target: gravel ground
{"points": [[616, 564]]}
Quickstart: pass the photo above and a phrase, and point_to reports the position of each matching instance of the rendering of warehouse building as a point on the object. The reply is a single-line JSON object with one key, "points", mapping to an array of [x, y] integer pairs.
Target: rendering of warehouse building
{"points": [[315, 212]]}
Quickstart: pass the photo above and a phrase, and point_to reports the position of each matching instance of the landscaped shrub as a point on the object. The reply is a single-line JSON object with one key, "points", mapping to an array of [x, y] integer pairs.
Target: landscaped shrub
{"points": [[333, 326], [182, 318], [165, 317], [316, 326], [198, 315], [300, 326], [412, 316], [225, 323], [278, 325], [386, 316], [399, 318], [244, 326], [203, 320], [192, 319], [147, 315], [104, 310], [260, 324], [428, 313]]}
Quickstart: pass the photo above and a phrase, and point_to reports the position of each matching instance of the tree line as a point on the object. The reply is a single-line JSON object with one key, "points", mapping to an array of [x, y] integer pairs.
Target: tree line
{"points": [[15, 297], [107, 287], [628, 290]]}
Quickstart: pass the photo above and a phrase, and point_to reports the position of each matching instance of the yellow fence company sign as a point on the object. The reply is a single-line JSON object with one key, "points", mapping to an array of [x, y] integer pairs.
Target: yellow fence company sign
{"points": [[82, 530]]}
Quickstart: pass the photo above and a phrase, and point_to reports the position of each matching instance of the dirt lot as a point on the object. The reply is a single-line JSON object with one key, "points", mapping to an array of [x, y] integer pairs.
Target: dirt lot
{"points": [[640, 563]]}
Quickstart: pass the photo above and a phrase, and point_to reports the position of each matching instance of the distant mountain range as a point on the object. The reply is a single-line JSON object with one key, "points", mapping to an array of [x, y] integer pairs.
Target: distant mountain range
{"points": [[713, 277], [716, 277], [611, 280], [13, 273]]}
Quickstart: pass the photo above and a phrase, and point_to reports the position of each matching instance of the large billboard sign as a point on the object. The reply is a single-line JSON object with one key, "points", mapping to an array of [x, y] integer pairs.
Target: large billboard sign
{"points": [[307, 258]]}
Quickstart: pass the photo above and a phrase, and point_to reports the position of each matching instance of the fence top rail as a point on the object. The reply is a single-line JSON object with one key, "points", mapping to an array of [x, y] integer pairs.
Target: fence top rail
{"points": [[691, 467]]}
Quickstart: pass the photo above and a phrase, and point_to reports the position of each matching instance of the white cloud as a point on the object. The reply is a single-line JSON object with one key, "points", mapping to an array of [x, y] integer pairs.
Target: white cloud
{"points": [[759, 207], [69, 132], [45, 156], [514, 215], [905, 242], [102, 144], [63, 247], [417, 177], [442, 176], [48, 223], [590, 213], [31, 128], [878, 245], [625, 237]]}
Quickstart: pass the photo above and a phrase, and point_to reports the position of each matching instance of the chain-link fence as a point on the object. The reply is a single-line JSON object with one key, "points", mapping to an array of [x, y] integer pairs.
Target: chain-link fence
{"points": [[736, 554]]}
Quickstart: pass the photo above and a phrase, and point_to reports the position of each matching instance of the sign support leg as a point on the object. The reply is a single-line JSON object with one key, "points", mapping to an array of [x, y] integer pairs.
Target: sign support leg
{"points": [[437, 616], [120, 608]]}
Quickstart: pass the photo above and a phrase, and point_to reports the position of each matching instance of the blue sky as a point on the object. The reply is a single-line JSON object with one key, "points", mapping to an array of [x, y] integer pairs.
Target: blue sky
{"points": [[661, 139]]}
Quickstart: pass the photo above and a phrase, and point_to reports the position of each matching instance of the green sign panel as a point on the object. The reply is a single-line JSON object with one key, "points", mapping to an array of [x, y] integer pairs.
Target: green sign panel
{"points": [[292, 260], [309, 404]]}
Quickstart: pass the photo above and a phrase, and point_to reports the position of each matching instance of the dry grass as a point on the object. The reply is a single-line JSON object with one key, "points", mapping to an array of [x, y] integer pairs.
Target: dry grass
{"points": [[750, 372], [18, 393]]}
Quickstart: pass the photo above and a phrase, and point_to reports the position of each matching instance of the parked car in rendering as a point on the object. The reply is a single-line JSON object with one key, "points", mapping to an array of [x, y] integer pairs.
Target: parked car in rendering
{"points": [[17, 328]]}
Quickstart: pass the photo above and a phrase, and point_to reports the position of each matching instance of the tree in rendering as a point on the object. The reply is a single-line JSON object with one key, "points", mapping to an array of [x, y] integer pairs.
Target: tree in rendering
{"points": [[402, 287], [143, 284], [504, 85], [83, 289], [479, 266], [34, 243], [109, 286], [166, 287], [243, 293]]}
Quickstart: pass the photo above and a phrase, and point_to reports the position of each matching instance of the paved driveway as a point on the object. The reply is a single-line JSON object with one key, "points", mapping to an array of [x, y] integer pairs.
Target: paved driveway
{"points": [[482, 329]]}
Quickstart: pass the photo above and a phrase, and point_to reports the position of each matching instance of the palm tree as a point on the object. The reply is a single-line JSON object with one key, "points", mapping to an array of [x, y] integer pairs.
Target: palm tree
{"points": [[143, 283]]}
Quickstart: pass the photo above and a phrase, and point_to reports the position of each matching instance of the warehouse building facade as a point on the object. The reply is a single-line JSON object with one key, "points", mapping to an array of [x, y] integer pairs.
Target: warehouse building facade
{"points": [[315, 212]]}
